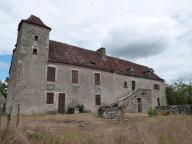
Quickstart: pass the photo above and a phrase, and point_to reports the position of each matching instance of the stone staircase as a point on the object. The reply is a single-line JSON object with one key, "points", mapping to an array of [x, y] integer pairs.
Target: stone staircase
{"points": [[127, 103]]}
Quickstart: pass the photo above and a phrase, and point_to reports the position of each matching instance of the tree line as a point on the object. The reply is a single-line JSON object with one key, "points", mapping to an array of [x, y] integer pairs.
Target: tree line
{"points": [[179, 93]]}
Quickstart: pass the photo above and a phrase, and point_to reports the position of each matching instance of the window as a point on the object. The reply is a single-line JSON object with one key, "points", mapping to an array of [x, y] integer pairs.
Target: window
{"points": [[74, 78], [158, 102], [97, 79], [125, 85], [133, 85], [36, 38], [35, 51], [50, 98], [156, 87], [51, 74], [97, 99]]}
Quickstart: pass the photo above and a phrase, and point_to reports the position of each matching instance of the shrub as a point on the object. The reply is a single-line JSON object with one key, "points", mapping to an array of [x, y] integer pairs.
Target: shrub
{"points": [[71, 110], [152, 112], [81, 108]]}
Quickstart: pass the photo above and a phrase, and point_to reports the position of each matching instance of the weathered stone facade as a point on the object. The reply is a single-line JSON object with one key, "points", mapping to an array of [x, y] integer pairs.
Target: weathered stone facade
{"points": [[28, 86]]}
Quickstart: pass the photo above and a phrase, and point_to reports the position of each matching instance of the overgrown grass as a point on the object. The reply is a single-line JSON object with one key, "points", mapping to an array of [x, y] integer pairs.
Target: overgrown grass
{"points": [[152, 112], [88, 129]]}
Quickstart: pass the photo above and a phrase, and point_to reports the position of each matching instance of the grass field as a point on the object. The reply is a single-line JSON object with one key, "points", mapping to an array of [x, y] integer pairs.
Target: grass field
{"points": [[89, 129]]}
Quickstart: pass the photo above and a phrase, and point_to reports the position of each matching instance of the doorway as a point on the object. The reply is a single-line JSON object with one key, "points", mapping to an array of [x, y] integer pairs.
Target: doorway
{"points": [[61, 103], [139, 105]]}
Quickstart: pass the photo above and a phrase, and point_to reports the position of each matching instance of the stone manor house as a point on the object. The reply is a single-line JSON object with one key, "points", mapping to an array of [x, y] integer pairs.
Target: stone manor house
{"points": [[49, 76]]}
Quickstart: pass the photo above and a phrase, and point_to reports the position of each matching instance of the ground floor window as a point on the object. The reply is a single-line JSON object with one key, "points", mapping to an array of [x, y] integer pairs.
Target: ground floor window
{"points": [[97, 99], [50, 98]]}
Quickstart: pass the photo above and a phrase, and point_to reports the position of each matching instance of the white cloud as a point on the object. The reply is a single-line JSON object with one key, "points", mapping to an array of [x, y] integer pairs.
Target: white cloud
{"points": [[133, 26]]}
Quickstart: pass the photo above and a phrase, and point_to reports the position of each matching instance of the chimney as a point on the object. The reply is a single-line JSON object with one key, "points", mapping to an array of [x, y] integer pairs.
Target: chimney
{"points": [[102, 53]]}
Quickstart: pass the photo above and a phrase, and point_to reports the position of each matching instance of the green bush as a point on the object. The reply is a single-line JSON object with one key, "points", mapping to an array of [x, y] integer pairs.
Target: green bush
{"points": [[152, 112], [71, 110], [81, 108]]}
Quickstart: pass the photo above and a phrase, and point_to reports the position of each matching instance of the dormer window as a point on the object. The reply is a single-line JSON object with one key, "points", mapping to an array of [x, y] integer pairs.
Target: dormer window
{"points": [[151, 72], [92, 62], [35, 51], [130, 71], [36, 38]]}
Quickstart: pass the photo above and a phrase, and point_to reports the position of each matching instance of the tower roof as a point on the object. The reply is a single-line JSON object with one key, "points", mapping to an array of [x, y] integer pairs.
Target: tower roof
{"points": [[33, 20]]}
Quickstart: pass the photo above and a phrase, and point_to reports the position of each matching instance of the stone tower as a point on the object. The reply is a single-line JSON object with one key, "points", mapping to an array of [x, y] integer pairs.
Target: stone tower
{"points": [[28, 67]]}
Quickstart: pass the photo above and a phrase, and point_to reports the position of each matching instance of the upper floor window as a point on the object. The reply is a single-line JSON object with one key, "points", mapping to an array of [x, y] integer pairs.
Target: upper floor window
{"points": [[50, 98], [97, 79], [156, 87], [75, 76], [35, 51], [51, 74], [133, 85], [36, 38], [125, 85]]}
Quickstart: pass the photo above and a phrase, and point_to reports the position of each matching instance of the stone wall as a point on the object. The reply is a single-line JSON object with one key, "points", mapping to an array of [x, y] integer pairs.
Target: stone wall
{"points": [[176, 109], [131, 101], [127, 104]]}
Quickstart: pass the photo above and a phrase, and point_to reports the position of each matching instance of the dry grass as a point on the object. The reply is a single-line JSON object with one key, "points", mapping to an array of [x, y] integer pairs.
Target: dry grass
{"points": [[89, 129]]}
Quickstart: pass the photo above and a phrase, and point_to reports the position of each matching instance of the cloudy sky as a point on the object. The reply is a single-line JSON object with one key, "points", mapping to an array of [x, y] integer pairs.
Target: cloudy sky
{"points": [[156, 33]]}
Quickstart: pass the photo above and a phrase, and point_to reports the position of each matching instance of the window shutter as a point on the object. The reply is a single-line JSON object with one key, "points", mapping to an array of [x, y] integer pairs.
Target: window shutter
{"points": [[51, 74], [50, 98], [125, 85], [97, 79], [75, 76]]}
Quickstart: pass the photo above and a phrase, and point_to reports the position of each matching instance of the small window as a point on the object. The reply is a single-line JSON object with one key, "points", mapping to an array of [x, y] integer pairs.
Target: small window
{"points": [[36, 38], [133, 85], [156, 87], [35, 51], [97, 79], [51, 74], [97, 99], [75, 76], [125, 85], [50, 98]]}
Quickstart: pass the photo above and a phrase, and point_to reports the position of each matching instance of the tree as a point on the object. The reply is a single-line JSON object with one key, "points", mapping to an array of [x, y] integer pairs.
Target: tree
{"points": [[4, 87], [179, 93]]}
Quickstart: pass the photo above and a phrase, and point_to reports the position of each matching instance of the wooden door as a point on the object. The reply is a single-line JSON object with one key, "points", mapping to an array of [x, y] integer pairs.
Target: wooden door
{"points": [[139, 105], [61, 103]]}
